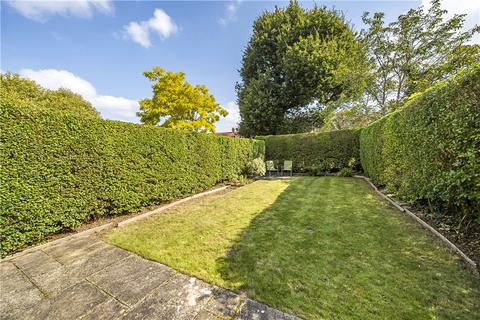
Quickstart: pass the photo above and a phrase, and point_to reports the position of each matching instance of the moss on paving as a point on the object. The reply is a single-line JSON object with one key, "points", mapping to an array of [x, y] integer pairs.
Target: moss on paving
{"points": [[316, 247]]}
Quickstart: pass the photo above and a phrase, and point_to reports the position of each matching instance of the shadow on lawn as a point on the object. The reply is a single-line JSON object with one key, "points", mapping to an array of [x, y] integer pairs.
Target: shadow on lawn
{"points": [[325, 249], [268, 254], [281, 235]]}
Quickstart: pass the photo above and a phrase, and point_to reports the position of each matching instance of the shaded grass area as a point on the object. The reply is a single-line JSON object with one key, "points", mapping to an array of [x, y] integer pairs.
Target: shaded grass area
{"points": [[324, 247]]}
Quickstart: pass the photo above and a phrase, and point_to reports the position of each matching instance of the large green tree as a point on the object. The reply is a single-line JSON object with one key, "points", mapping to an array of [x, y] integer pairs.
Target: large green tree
{"points": [[418, 49], [178, 104], [297, 61]]}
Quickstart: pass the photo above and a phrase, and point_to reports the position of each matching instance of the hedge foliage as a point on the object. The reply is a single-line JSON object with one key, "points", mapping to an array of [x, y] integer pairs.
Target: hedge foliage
{"points": [[315, 152], [430, 149], [59, 170], [31, 95]]}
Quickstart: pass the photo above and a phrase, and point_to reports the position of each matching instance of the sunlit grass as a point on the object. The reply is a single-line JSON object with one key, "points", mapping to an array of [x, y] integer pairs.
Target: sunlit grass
{"points": [[315, 247]]}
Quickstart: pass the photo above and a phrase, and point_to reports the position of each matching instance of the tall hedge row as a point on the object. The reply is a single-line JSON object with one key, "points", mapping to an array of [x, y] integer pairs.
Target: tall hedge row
{"points": [[324, 151], [430, 149], [58, 171]]}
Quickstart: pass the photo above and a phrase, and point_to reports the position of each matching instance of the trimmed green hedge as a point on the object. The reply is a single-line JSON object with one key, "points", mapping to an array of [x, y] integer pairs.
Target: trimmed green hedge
{"points": [[315, 152], [430, 149], [58, 170], [371, 146]]}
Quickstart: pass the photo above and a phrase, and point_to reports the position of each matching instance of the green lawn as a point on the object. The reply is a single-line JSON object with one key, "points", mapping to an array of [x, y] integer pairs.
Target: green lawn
{"points": [[319, 248]]}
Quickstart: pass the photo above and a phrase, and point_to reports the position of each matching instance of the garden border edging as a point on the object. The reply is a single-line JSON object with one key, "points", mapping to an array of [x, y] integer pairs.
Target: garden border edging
{"points": [[113, 224], [470, 263], [168, 206]]}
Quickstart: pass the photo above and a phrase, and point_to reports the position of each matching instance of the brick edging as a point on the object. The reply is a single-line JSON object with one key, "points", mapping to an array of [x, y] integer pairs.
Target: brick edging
{"points": [[470, 263]]}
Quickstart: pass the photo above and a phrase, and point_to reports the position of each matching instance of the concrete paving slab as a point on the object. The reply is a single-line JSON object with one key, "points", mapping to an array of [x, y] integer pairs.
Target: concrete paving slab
{"points": [[68, 254], [111, 309], [252, 310], [131, 279], [207, 315], [73, 303], [180, 298], [98, 258], [50, 277], [71, 247], [32, 260], [18, 293], [224, 303], [85, 278]]}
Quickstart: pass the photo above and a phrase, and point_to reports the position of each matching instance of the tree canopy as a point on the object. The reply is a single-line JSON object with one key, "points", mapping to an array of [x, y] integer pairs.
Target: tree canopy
{"points": [[178, 104], [410, 54], [296, 62], [29, 94]]}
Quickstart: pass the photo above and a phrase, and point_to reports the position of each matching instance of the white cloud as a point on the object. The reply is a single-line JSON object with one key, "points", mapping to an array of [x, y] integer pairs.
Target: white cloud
{"points": [[124, 108], [55, 79], [42, 10], [469, 7], [114, 108], [139, 33], [230, 121], [161, 23], [230, 15]]}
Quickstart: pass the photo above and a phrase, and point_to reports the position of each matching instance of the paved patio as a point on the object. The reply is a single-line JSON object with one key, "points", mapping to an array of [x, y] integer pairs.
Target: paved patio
{"points": [[83, 277]]}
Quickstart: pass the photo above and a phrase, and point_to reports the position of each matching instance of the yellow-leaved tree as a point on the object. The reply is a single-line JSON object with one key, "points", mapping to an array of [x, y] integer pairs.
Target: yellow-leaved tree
{"points": [[178, 104]]}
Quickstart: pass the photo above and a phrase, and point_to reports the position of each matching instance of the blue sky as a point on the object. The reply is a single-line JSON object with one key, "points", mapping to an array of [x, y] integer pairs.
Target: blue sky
{"points": [[100, 49]]}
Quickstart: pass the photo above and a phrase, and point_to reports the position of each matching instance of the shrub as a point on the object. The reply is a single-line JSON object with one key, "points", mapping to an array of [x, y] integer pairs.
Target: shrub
{"points": [[60, 170], [315, 153], [256, 168], [429, 150], [345, 172], [322, 168]]}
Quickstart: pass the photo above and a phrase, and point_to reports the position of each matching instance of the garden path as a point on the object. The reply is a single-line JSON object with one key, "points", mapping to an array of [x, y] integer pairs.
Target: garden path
{"points": [[82, 277]]}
